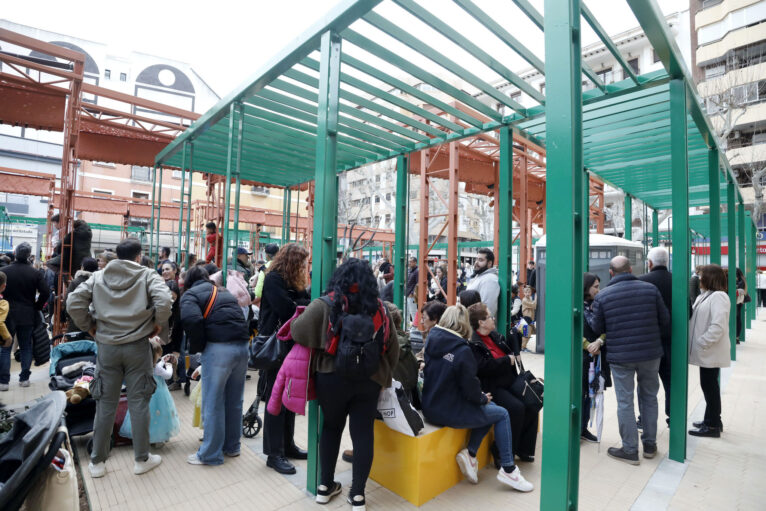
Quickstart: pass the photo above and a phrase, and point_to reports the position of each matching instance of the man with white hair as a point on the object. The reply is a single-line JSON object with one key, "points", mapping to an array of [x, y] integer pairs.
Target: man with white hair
{"points": [[663, 280]]}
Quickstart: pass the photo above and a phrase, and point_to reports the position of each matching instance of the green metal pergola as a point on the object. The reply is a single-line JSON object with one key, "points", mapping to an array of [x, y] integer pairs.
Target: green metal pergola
{"points": [[342, 96]]}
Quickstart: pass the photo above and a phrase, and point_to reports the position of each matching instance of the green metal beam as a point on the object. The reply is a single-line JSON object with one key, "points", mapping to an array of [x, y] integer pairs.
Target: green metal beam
{"points": [[628, 226], [235, 108], [566, 232], [181, 203], [681, 250], [741, 256], [714, 180], [325, 207], [655, 228], [400, 237], [188, 210], [505, 228], [732, 264]]}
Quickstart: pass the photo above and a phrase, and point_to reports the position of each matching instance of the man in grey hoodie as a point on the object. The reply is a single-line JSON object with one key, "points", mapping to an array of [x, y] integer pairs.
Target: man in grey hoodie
{"points": [[486, 280], [122, 306]]}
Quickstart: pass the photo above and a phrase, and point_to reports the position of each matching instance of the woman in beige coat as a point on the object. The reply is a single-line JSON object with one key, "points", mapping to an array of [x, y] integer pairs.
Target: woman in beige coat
{"points": [[709, 345]]}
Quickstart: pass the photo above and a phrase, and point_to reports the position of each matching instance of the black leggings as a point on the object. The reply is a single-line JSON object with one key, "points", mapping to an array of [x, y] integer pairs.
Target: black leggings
{"points": [[338, 399], [523, 422]]}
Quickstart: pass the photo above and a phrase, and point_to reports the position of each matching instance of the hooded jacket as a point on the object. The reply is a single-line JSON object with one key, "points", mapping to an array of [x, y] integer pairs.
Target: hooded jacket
{"points": [[487, 283], [294, 386], [451, 390], [215, 251], [123, 302]]}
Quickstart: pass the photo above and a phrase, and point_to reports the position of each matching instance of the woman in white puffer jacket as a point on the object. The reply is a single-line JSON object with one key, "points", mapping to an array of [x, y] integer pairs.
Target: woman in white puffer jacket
{"points": [[709, 344]]}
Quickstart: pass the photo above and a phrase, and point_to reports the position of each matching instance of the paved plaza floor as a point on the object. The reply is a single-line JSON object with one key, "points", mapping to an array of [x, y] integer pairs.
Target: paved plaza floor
{"points": [[726, 473]]}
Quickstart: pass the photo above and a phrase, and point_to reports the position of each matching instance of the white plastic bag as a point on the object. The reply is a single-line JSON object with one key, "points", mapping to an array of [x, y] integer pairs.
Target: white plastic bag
{"points": [[397, 411], [56, 489]]}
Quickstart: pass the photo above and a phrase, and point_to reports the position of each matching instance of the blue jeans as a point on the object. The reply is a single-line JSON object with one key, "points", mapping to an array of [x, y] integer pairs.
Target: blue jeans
{"points": [[24, 336], [224, 366], [491, 415]]}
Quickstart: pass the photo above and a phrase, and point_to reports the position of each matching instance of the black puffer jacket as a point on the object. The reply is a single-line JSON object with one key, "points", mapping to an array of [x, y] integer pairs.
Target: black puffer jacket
{"points": [[493, 372], [278, 303], [451, 391], [225, 323], [80, 248], [632, 314]]}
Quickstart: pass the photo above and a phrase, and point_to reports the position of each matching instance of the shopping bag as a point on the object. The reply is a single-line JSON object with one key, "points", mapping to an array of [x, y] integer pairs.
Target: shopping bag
{"points": [[397, 411], [57, 488]]}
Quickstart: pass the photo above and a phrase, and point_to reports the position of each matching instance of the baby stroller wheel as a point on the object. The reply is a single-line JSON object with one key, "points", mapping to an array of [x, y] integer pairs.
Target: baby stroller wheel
{"points": [[251, 425]]}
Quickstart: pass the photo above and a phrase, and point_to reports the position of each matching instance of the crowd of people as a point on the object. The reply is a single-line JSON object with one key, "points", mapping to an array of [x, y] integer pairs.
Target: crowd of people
{"points": [[454, 364]]}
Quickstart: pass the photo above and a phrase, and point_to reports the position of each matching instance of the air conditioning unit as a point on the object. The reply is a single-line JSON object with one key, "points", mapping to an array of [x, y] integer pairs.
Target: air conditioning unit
{"points": [[736, 134]]}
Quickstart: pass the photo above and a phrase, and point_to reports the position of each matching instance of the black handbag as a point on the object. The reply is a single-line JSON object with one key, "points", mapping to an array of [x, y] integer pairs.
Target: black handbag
{"points": [[528, 388], [267, 352]]}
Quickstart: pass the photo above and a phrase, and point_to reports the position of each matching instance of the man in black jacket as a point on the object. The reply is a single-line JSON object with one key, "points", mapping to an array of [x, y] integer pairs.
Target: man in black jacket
{"points": [[663, 280], [632, 314], [26, 292]]}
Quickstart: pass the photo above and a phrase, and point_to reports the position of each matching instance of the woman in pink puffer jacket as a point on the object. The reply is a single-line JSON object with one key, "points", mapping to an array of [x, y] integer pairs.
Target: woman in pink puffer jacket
{"points": [[294, 386]]}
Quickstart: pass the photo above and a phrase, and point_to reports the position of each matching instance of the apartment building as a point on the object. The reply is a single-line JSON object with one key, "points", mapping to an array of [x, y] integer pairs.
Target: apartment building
{"points": [[731, 71]]}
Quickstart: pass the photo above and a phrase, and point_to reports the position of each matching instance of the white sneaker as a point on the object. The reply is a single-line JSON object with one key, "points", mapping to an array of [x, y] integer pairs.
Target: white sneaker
{"points": [[4, 387], [468, 466], [97, 470], [24, 383], [357, 503], [193, 459], [142, 467], [515, 480]]}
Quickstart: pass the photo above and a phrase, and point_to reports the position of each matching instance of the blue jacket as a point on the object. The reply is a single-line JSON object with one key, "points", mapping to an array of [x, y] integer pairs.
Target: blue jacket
{"points": [[452, 393], [632, 314]]}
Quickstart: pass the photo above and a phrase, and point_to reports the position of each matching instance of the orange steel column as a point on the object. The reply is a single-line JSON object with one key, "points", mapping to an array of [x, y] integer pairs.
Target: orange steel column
{"points": [[524, 220], [423, 237], [452, 219]]}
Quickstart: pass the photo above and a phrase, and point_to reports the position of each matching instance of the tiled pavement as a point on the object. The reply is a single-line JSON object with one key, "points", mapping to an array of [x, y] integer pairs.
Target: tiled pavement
{"points": [[722, 474]]}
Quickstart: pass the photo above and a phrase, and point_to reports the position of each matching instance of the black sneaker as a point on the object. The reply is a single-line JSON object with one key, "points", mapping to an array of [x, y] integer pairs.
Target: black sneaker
{"points": [[588, 436], [705, 430], [650, 451], [325, 494], [357, 502], [699, 424], [619, 454]]}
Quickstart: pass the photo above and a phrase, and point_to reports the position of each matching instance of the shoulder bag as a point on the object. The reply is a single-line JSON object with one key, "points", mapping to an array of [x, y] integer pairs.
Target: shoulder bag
{"points": [[528, 388]]}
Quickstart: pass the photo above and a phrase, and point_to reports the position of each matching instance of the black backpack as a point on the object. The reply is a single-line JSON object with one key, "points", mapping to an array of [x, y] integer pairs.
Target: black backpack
{"points": [[360, 346]]}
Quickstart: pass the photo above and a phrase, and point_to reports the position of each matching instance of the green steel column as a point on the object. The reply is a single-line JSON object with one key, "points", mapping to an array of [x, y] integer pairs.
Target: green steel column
{"points": [[505, 229], [749, 272], [586, 217], [179, 248], [566, 230], [655, 228], [227, 192], [188, 210], [680, 319], [731, 233], [741, 235], [324, 245], [288, 214], [628, 217], [400, 235], [237, 180], [714, 184], [154, 200]]}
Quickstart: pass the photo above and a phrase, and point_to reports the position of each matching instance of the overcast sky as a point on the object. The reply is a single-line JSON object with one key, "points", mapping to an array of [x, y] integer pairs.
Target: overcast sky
{"points": [[227, 41]]}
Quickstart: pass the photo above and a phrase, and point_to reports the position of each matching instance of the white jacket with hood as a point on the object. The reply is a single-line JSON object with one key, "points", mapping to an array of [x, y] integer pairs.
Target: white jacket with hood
{"points": [[487, 283], [123, 302]]}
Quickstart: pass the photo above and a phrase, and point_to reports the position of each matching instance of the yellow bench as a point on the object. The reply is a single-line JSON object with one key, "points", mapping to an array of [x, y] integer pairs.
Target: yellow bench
{"points": [[420, 468]]}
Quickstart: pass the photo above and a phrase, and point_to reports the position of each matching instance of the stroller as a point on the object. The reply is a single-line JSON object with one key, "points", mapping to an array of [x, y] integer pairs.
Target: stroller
{"points": [[251, 421], [71, 359]]}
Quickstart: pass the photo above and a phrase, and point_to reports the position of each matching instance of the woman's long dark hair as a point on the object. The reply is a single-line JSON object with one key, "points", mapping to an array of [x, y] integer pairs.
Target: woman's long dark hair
{"points": [[194, 274], [588, 279], [353, 284]]}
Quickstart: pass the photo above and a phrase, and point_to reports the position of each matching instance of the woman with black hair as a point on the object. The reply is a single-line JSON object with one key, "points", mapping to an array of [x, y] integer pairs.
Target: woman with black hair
{"points": [[214, 325], [742, 298], [592, 345], [284, 289], [352, 290]]}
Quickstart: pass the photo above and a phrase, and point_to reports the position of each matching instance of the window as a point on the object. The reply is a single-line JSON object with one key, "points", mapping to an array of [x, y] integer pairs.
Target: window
{"points": [[745, 94], [740, 18], [102, 192], [712, 104], [138, 222], [377, 179], [104, 164], [138, 173], [377, 199], [715, 70], [388, 218], [176, 174], [140, 195], [388, 196], [259, 190], [15, 203], [123, 77], [606, 75], [107, 74], [633, 64]]}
